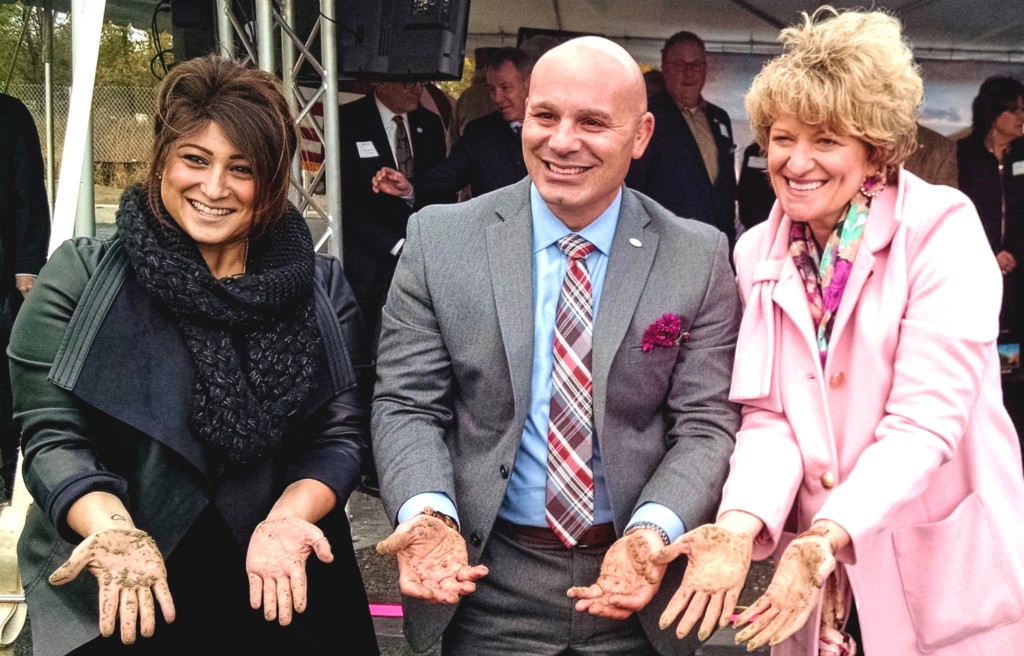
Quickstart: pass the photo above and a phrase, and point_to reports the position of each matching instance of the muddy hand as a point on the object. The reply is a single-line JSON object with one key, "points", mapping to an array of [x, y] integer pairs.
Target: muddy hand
{"points": [[715, 574], [791, 596], [432, 560], [276, 565], [629, 578], [131, 574]]}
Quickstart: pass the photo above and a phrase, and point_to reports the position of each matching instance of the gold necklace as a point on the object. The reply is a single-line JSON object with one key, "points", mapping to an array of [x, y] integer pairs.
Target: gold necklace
{"points": [[245, 256]]}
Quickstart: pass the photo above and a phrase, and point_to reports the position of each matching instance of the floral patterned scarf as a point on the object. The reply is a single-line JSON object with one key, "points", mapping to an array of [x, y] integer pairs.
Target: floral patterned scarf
{"points": [[825, 274]]}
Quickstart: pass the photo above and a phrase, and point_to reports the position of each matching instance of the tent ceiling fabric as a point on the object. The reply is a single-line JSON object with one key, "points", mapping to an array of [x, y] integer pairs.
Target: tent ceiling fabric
{"points": [[985, 29], [980, 29]]}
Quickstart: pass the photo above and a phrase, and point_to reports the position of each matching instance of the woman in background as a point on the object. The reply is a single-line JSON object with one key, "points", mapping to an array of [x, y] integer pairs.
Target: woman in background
{"points": [[874, 458], [189, 398], [991, 162]]}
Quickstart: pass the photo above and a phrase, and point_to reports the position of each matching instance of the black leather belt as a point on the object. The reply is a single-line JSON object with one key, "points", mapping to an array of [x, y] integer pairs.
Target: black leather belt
{"points": [[598, 535]]}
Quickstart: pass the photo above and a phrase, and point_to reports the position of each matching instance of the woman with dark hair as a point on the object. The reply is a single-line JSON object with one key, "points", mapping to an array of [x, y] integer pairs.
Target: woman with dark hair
{"points": [[991, 162], [191, 403]]}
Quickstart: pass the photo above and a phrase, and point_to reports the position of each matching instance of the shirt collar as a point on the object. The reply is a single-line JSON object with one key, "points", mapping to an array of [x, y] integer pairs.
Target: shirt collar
{"points": [[386, 115], [548, 228]]}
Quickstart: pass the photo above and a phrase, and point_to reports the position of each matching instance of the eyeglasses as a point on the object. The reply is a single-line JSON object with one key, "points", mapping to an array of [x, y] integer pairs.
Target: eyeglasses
{"points": [[412, 84], [680, 66]]}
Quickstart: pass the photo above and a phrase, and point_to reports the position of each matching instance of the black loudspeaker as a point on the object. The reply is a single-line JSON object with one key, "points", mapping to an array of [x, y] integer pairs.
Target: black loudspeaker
{"points": [[394, 39], [192, 28]]}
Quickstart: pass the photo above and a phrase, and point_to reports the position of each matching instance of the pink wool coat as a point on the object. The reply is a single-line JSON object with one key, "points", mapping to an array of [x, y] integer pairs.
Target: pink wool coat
{"points": [[902, 440]]}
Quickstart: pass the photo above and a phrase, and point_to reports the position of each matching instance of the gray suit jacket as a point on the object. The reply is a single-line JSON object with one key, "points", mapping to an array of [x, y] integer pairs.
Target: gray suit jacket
{"points": [[456, 357]]}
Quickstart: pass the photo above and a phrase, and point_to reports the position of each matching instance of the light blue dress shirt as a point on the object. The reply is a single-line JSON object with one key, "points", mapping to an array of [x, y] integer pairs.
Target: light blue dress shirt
{"points": [[525, 497]]}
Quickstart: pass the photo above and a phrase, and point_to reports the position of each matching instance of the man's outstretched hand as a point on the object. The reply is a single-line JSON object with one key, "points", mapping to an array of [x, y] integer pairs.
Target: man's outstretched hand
{"points": [[432, 560], [629, 577]]}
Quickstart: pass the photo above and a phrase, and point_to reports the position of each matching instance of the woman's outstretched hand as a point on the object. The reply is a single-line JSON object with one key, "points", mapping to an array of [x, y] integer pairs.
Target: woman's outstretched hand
{"points": [[131, 574], [717, 569], [784, 607], [276, 565]]}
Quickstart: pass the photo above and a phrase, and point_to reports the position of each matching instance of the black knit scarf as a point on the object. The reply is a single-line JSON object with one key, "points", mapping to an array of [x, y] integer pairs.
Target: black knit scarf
{"points": [[253, 339]]}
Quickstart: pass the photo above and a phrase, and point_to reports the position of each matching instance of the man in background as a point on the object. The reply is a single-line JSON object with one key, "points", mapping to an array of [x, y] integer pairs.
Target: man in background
{"points": [[689, 165], [489, 155], [384, 128], [24, 237]]}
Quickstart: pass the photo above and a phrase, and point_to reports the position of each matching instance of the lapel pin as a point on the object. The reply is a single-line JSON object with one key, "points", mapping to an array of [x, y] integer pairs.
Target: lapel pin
{"points": [[419, 130], [635, 242]]}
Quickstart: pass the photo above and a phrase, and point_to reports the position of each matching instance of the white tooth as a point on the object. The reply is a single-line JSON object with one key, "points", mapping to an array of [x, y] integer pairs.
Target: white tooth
{"points": [[807, 186]]}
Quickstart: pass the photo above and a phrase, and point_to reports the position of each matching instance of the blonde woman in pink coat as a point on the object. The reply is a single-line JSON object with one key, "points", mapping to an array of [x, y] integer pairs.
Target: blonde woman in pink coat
{"points": [[875, 459]]}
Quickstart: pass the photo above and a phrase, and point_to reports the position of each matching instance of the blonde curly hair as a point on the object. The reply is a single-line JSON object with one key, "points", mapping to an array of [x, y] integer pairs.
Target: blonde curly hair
{"points": [[850, 72]]}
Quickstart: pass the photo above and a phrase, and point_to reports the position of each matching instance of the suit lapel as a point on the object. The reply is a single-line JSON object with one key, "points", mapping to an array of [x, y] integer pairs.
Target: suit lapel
{"points": [[509, 245], [624, 281], [376, 131]]}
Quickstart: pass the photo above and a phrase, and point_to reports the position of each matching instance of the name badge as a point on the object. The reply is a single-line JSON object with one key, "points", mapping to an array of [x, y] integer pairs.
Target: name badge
{"points": [[366, 149], [1018, 167], [757, 163]]}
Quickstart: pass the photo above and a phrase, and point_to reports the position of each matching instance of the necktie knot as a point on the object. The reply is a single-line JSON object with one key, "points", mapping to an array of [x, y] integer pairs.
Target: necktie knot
{"points": [[575, 247]]}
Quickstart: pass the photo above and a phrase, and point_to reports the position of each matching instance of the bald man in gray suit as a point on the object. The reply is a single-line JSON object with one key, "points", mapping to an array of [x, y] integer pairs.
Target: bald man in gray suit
{"points": [[551, 407]]}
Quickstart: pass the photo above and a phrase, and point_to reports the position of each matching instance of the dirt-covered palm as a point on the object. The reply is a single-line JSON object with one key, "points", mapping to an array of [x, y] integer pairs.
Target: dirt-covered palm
{"points": [[629, 578], [795, 589], [131, 574], [432, 560], [276, 565], [715, 573]]}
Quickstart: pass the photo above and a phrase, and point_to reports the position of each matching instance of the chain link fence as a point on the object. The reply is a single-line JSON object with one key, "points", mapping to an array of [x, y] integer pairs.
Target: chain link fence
{"points": [[122, 121]]}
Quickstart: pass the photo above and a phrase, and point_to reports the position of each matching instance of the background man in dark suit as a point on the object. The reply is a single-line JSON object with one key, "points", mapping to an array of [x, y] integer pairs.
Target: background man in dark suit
{"points": [[373, 225], [550, 453], [24, 236], [689, 166], [489, 155]]}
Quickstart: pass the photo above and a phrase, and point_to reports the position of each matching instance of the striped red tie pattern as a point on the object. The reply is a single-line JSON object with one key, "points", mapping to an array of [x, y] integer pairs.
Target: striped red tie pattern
{"points": [[569, 500]]}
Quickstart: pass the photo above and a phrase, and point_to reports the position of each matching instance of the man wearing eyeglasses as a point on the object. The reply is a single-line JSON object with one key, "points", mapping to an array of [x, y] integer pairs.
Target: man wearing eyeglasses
{"points": [[385, 128], [688, 166]]}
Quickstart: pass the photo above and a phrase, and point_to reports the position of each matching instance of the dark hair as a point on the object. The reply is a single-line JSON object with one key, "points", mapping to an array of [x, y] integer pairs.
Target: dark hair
{"points": [[248, 106], [517, 57], [682, 37], [996, 95]]}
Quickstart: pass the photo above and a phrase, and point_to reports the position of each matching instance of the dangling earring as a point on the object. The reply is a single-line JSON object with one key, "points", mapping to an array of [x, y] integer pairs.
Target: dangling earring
{"points": [[873, 184]]}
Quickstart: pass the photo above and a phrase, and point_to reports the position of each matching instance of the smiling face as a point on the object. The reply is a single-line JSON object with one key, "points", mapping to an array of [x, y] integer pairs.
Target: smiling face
{"points": [[815, 172], [509, 89], [585, 122], [208, 188]]}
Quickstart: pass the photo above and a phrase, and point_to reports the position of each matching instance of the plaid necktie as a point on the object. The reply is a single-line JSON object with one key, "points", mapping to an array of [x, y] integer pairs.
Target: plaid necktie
{"points": [[403, 150], [569, 499]]}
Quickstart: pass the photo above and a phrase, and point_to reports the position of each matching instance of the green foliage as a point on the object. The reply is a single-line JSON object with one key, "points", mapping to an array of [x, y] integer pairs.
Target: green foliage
{"points": [[124, 55]]}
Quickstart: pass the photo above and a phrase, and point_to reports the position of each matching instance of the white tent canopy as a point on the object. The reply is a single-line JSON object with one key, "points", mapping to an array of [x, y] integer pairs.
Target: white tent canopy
{"points": [[979, 29]]}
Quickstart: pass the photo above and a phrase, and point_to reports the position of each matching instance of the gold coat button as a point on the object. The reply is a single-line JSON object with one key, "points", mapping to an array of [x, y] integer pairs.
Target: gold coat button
{"points": [[828, 480], [836, 380]]}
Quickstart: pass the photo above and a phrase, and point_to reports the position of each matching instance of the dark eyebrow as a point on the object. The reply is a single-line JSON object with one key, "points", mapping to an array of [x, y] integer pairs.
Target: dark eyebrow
{"points": [[208, 151]]}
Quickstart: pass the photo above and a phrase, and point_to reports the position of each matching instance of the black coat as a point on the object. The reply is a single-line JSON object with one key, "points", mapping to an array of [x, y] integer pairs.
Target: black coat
{"points": [[372, 224], [102, 381], [672, 172], [24, 211], [488, 156], [980, 179]]}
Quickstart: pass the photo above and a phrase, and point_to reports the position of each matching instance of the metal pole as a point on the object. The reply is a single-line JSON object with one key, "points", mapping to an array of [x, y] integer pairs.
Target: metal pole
{"points": [[332, 134], [47, 29], [288, 78], [87, 24], [265, 35], [85, 216], [225, 33]]}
